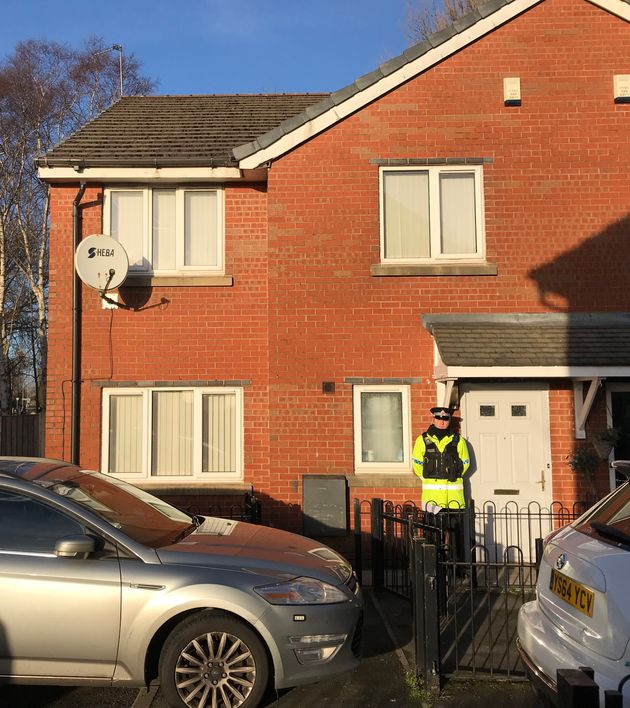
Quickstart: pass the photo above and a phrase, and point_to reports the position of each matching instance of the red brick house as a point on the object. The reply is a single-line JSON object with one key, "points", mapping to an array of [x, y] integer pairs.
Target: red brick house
{"points": [[309, 274]]}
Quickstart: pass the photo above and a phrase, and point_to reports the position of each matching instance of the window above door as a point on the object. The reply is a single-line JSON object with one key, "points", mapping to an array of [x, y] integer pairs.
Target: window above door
{"points": [[431, 214], [168, 231]]}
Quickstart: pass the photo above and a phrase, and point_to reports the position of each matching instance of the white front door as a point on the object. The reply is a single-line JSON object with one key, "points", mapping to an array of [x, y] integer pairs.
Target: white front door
{"points": [[507, 428]]}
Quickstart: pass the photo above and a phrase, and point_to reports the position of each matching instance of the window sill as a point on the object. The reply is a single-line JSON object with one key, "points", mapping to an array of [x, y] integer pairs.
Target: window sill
{"points": [[143, 281], [194, 488], [383, 479], [400, 269]]}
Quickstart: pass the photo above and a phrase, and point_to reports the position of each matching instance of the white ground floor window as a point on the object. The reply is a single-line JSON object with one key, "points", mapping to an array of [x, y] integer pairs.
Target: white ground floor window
{"points": [[173, 434], [382, 441]]}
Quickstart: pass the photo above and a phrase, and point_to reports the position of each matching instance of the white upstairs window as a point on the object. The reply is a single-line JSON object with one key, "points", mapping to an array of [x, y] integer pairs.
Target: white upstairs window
{"points": [[431, 214], [168, 231]]}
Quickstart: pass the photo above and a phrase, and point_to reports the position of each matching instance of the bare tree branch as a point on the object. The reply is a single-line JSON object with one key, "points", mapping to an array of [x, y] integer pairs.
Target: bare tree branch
{"points": [[47, 92]]}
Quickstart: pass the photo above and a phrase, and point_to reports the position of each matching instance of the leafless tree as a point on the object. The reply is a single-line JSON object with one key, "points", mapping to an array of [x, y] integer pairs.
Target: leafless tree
{"points": [[425, 17], [47, 92]]}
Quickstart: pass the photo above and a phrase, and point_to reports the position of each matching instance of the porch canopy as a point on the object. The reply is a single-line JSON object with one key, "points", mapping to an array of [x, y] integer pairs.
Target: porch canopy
{"points": [[584, 347]]}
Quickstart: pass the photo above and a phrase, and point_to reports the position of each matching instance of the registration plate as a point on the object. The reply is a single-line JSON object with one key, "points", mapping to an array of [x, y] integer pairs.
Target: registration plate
{"points": [[575, 594]]}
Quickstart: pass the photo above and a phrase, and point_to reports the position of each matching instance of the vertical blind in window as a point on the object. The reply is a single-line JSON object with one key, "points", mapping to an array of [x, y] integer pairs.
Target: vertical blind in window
{"points": [[200, 228], [164, 255], [457, 210], [125, 434], [406, 211], [219, 435], [381, 427], [172, 433], [127, 224]]}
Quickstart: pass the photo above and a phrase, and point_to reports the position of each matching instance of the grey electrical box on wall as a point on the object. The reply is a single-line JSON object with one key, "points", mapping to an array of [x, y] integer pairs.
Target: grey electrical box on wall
{"points": [[324, 505]]}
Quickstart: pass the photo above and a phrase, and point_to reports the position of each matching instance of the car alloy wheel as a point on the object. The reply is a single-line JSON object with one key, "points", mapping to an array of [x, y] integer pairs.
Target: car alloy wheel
{"points": [[214, 661]]}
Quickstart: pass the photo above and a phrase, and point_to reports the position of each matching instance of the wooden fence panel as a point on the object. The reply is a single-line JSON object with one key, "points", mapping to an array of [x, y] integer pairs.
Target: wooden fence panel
{"points": [[21, 435]]}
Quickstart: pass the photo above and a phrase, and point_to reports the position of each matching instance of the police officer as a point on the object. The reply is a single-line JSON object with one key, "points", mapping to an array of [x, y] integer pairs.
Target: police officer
{"points": [[440, 458]]}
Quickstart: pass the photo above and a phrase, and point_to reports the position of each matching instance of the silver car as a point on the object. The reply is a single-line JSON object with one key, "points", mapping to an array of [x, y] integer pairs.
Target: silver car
{"points": [[104, 584]]}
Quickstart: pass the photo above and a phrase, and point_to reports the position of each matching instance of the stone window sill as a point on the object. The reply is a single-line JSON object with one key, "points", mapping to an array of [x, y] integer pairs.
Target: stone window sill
{"points": [[193, 489], [382, 479], [428, 269], [152, 281]]}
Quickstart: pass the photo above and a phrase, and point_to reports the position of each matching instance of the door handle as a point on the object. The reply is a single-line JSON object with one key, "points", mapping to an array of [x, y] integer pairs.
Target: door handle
{"points": [[541, 481]]}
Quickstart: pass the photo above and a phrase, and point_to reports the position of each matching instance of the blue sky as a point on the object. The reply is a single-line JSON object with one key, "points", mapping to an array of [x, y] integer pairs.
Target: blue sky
{"points": [[226, 46]]}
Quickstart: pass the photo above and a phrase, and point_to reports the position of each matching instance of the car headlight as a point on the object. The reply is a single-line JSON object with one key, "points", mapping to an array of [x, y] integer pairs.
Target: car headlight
{"points": [[302, 591]]}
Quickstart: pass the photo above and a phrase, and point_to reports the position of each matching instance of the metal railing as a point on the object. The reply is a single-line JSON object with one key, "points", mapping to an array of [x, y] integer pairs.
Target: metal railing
{"points": [[249, 510], [465, 592]]}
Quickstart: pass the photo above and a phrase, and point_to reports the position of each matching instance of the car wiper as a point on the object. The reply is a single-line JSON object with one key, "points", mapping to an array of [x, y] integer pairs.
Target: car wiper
{"points": [[610, 532], [185, 532]]}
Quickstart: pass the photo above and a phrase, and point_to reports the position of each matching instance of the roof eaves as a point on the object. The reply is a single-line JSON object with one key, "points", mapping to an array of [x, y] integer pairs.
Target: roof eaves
{"points": [[287, 126], [392, 65], [487, 8], [367, 80], [156, 162], [344, 94], [318, 108], [245, 150], [270, 137], [417, 50], [442, 36], [463, 23]]}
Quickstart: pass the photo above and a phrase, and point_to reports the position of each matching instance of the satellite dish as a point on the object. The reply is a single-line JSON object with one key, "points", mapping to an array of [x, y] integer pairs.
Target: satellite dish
{"points": [[101, 262]]}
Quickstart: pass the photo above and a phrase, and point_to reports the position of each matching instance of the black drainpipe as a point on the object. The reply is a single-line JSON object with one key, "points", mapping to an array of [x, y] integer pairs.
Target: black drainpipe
{"points": [[76, 329]]}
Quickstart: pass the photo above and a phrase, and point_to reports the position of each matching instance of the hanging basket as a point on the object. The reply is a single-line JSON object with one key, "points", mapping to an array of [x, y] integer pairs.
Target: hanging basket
{"points": [[603, 448]]}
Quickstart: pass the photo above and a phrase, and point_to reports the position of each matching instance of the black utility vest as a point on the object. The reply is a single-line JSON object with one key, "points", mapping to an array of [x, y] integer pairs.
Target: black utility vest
{"points": [[442, 465]]}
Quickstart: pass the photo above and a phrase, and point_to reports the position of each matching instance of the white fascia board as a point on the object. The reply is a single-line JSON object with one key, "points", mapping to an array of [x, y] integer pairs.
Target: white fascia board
{"points": [[387, 83], [615, 7], [442, 372], [148, 174]]}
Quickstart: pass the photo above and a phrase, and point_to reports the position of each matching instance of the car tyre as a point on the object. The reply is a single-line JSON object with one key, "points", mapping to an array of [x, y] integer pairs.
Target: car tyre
{"points": [[213, 659]]}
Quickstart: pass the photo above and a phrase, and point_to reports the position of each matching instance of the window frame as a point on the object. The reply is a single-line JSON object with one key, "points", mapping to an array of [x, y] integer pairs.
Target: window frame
{"points": [[361, 467], [180, 227], [146, 447], [434, 172]]}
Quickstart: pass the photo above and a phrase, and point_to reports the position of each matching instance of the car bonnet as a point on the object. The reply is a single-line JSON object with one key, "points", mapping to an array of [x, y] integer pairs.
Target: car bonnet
{"points": [[230, 543]]}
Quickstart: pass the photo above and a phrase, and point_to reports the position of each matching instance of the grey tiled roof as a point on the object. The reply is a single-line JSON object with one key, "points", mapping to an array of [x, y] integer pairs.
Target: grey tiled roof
{"points": [[585, 339], [175, 130], [218, 130], [222, 130]]}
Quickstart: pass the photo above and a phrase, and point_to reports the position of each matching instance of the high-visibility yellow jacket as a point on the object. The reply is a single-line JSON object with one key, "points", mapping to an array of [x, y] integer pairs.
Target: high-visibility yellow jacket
{"points": [[441, 492]]}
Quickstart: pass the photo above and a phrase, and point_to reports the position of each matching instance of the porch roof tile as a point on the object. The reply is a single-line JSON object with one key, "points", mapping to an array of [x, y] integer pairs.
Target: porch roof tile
{"points": [[580, 339]]}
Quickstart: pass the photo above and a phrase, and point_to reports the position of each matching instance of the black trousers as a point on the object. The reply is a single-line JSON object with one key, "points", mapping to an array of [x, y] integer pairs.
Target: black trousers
{"points": [[451, 523]]}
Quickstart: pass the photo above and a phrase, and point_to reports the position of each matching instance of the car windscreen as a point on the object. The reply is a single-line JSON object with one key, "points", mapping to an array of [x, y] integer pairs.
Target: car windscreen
{"points": [[143, 517], [609, 521]]}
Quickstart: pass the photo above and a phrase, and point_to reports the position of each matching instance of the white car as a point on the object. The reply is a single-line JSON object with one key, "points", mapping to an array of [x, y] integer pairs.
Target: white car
{"points": [[581, 615]]}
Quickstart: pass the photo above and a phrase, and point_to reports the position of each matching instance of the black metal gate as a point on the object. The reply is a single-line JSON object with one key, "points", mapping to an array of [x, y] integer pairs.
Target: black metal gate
{"points": [[464, 604]]}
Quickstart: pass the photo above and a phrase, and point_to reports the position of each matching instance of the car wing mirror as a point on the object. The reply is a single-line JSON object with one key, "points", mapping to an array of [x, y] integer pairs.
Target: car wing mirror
{"points": [[621, 466], [78, 546]]}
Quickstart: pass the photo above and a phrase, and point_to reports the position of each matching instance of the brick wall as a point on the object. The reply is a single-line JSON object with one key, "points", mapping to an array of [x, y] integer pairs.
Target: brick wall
{"points": [[556, 209], [197, 333]]}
